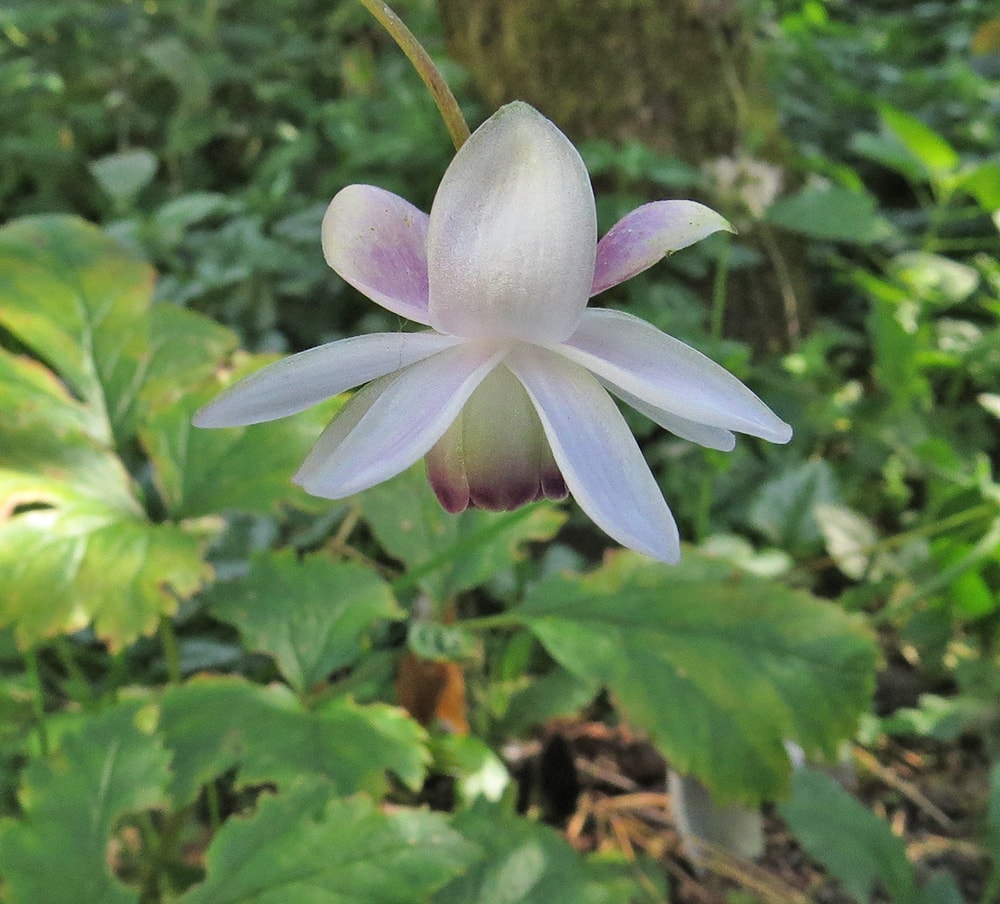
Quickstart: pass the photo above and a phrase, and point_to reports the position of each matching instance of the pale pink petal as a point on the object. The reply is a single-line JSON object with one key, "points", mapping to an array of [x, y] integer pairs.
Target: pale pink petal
{"points": [[513, 233], [301, 381], [596, 453], [648, 234], [633, 357], [394, 422], [495, 455], [377, 242]]}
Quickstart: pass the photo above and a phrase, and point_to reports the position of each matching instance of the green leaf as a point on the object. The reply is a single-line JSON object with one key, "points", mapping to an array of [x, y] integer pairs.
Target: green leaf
{"points": [[525, 863], [449, 553], [313, 616], [75, 545], [212, 725], [849, 840], [718, 666], [784, 508], [304, 847], [72, 800], [78, 301], [203, 472], [829, 212], [185, 349], [934, 153], [123, 175]]}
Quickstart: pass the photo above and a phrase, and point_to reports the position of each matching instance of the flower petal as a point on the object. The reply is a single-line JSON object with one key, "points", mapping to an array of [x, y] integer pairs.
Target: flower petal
{"points": [[632, 357], [300, 381], [648, 234], [598, 456], [393, 422], [513, 233], [377, 242], [692, 431], [495, 455]]}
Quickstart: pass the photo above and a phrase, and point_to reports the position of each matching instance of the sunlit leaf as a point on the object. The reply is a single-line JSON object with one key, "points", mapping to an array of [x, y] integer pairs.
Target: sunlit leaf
{"points": [[450, 552], [75, 545], [305, 847], [933, 151], [72, 800], [313, 616], [212, 725], [77, 300], [718, 666]]}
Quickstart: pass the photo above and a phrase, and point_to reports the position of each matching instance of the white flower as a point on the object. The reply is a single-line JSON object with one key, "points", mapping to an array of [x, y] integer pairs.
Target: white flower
{"points": [[507, 393]]}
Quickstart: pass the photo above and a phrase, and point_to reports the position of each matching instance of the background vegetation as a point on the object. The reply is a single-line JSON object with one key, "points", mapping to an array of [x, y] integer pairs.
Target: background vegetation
{"points": [[200, 666]]}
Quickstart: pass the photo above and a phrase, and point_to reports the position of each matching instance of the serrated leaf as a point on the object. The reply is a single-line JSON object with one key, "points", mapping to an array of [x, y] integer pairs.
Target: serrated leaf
{"points": [[313, 616], [78, 300], [450, 553], [57, 853], [202, 472], [304, 847], [718, 666], [524, 863], [849, 840], [212, 725]]}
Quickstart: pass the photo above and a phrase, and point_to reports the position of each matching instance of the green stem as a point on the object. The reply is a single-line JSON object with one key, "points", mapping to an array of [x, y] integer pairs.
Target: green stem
{"points": [[171, 653], [38, 700], [428, 72], [487, 622], [78, 686], [719, 287], [214, 806]]}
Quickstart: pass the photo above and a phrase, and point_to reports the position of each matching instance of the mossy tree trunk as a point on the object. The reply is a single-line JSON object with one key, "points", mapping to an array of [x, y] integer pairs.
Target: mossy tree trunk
{"points": [[681, 76]]}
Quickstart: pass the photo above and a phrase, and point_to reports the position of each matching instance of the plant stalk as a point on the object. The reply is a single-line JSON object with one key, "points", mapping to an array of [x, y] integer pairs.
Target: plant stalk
{"points": [[428, 72]]}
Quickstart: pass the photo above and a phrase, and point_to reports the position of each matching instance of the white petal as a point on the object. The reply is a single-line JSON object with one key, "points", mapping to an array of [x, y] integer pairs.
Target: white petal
{"points": [[596, 453], [648, 234], [394, 422], [300, 381], [710, 437], [513, 233], [377, 242], [633, 357]]}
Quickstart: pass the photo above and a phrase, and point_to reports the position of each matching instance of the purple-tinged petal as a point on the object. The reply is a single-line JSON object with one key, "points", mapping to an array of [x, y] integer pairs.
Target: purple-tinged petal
{"points": [[393, 422], [377, 242], [300, 381], [513, 233], [692, 431], [597, 455], [632, 357], [495, 455], [648, 234]]}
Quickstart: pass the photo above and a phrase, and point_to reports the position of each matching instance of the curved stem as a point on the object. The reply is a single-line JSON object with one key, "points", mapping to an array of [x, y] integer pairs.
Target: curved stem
{"points": [[428, 72]]}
